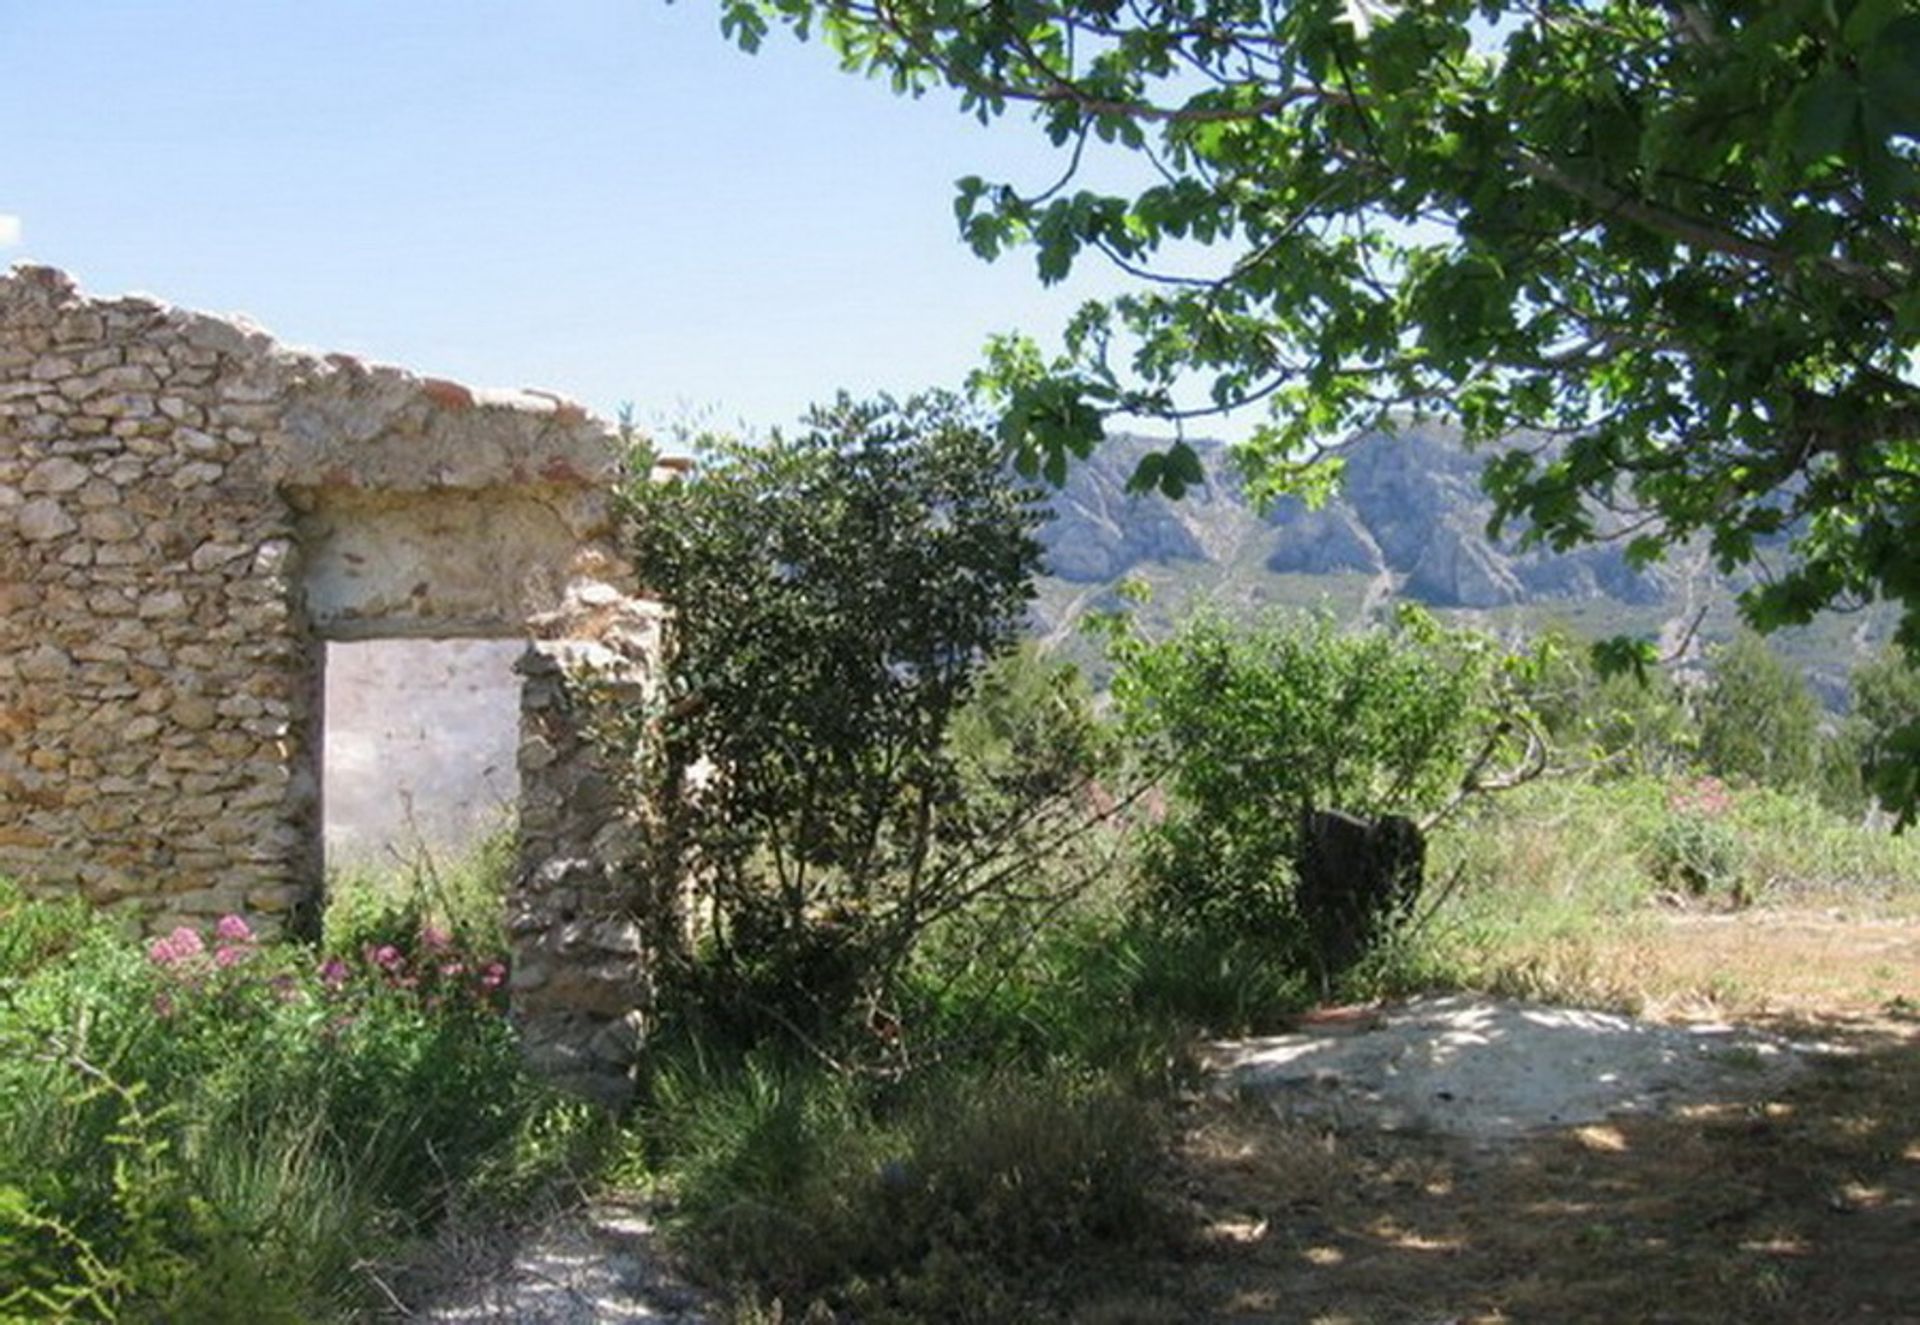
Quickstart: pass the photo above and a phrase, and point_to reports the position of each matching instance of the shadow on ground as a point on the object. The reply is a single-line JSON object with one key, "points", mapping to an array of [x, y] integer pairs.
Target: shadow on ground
{"points": [[1789, 1201]]}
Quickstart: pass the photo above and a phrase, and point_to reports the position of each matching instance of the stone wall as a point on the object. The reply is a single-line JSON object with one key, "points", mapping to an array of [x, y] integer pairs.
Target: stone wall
{"points": [[579, 986], [186, 509]]}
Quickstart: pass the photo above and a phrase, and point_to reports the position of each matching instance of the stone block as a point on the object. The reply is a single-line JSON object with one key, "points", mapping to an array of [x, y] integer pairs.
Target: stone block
{"points": [[42, 520]]}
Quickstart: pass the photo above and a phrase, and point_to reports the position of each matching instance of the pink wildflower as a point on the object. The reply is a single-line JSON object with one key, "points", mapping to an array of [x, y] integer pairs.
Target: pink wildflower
{"points": [[453, 968], [178, 946], [227, 955], [233, 929], [1707, 797], [433, 938], [333, 973], [388, 957], [493, 976]]}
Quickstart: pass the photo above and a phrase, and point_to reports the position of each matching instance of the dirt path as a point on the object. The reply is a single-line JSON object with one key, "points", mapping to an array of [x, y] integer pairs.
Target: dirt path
{"points": [[1801, 1207], [1768, 1200]]}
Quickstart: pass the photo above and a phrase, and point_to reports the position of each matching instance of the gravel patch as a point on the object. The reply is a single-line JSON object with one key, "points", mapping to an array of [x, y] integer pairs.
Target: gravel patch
{"points": [[577, 1268], [1491, 1070]]}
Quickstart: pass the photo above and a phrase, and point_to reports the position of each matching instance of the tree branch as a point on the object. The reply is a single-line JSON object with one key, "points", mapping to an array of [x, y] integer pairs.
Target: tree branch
{"points": [[1695, 232]]}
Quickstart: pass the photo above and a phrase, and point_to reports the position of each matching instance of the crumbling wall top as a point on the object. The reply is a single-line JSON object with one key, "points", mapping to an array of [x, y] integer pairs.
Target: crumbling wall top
{"points": [[336, 420]]}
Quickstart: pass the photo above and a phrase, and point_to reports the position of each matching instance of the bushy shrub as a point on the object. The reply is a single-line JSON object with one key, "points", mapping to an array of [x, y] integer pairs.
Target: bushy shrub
{"points": [[1701, 856], [1697, 848], [836, 593], [1886, 724], [1759, 722], [1259, 725], [34, 932]]}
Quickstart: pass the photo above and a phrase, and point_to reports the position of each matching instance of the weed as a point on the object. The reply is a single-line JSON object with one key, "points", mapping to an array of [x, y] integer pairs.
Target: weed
{"points": [[959, 1196], [212, 1128]]}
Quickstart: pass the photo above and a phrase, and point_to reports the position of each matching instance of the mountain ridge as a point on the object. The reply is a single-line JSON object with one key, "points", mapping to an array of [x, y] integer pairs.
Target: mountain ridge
{"points": [[1408, 521]]}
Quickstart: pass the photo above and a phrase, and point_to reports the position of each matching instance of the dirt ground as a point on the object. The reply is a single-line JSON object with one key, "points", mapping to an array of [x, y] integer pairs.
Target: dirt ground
{"points": [[1795, 1201]]}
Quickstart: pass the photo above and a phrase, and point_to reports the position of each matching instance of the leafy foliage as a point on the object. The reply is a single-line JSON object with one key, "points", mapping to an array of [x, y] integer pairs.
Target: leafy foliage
{"points": [[1679, 240], [1758, 720], [835, 595], [1612, 723], [219, 1129], [1886, 712], [1257, 726], [34, 933], [1696, 848]]}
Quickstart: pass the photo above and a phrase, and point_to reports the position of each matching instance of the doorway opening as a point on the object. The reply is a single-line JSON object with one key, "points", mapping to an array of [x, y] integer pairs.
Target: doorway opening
{"points": [[418, 758]]}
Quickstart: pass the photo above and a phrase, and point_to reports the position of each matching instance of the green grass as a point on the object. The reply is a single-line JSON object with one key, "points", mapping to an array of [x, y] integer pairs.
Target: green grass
{"points": [[968, 1192], [1014, 1150], [461, 896], [219, 1129], [1011, 1147], [1561, 893]]}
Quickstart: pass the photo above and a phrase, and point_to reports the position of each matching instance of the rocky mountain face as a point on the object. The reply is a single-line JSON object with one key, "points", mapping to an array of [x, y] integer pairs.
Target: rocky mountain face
{"points": [[1409, 507], [1409, 522]]}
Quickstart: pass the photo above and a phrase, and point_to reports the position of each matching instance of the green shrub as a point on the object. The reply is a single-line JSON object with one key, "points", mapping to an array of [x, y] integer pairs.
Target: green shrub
{"points": [[1260, 725], [1703, 856], [1886, 726], [837, 592], [34, 932], [212, 1128], [1759, 722]]}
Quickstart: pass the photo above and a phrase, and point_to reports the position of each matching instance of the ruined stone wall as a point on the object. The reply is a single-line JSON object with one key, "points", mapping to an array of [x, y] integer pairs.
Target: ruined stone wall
{"points": [[580, 992], [153, 697], [186, 508]]}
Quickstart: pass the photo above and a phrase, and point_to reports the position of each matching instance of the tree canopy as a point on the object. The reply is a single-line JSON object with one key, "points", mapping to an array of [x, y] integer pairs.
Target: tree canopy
{"points": [[1671, 245]]}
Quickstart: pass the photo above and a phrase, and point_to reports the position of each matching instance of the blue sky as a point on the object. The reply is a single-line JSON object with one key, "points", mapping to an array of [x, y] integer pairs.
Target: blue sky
{"points": [[600, 197]]}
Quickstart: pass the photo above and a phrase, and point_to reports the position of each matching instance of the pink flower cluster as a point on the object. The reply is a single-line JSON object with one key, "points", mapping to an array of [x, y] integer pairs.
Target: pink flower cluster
{"points": [[435, 972], [431, 969], [1706, 797], [234, 944]]}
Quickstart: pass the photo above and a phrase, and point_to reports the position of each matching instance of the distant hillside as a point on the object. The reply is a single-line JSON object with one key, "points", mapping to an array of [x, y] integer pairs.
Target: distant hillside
{"points": [[1409, 522]]}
